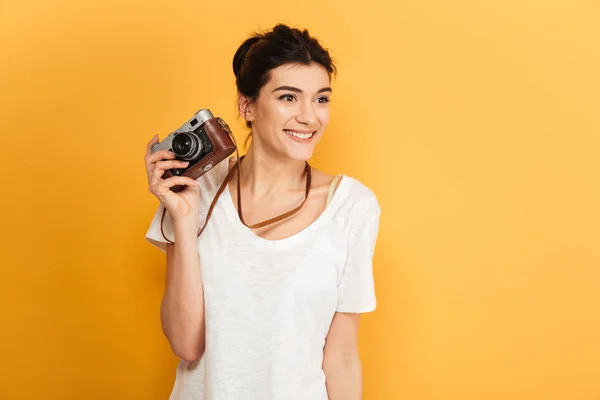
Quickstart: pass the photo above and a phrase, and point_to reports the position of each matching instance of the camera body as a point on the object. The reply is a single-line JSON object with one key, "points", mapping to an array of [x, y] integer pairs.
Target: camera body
{"points": [[204, 141]]}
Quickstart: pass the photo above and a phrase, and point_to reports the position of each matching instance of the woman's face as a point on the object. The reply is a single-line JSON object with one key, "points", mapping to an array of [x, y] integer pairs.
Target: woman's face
{"points": [[291, 111]]}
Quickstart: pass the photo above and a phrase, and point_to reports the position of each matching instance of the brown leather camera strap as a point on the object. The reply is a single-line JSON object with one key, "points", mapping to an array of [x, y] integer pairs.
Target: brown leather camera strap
{"points": [[236, 168], [307, 172]]}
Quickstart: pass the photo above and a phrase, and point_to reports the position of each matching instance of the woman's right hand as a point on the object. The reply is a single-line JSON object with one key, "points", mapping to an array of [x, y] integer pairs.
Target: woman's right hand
{"points": [[180, 205]]}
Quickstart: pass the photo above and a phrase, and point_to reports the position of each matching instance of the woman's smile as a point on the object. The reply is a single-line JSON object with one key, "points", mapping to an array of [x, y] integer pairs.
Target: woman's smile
{"points": [[300, 135]]}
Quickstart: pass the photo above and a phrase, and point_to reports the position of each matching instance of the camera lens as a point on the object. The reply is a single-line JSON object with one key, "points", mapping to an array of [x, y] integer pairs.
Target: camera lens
{"points": [[186, 145]]}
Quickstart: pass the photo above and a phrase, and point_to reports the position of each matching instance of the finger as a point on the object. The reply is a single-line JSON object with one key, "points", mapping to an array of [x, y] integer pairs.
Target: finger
{"points": [[162, 188], [158, 156], [179, 180], [151, 158], [161, 166], [168, 164], [150, 143]]}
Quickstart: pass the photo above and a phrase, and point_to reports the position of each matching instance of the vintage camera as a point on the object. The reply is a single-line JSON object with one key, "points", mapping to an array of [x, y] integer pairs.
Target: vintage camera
{"points": [[204, 141]]}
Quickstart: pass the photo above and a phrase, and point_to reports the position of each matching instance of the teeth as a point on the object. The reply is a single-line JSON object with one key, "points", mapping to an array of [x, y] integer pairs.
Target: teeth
{"points": [[298, 134]]}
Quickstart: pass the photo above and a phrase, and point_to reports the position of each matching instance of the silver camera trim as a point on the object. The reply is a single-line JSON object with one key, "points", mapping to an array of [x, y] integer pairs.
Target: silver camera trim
{"points": [[199, 118]]}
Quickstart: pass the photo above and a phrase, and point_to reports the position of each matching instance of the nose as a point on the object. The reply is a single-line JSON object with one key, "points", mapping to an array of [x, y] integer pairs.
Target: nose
{"points": [[306, 114]]}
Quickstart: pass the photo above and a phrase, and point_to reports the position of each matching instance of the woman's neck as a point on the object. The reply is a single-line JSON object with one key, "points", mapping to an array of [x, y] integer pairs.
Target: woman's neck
{"points": [[263, 174]]}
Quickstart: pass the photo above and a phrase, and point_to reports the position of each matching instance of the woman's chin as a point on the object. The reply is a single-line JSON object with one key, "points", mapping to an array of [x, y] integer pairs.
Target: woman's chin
{"points": [[303, 153], [300, 151]]}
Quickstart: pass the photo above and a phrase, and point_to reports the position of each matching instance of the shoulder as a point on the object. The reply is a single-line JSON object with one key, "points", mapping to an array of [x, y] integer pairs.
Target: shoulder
{"points": [[362, 199], [351, 188]]}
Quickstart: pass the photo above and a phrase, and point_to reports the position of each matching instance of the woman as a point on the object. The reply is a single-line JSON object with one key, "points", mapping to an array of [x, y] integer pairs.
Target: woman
{"points": [[271, 312]]}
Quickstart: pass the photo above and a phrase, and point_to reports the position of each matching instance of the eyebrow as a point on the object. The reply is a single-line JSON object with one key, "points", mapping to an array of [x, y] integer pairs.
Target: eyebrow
{"points": [[295, 89]]}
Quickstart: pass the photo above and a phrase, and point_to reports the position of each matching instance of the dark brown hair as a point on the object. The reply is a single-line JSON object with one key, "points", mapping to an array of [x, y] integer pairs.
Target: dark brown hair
{"points": [[264, 51]]}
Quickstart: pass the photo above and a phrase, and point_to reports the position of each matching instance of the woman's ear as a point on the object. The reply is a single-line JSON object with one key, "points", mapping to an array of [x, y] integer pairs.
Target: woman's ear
{"points": [[245, 108]]}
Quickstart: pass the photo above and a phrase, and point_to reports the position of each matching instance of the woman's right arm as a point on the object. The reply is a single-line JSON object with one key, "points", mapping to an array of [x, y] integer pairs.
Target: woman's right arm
{"points": [[182, 307]]}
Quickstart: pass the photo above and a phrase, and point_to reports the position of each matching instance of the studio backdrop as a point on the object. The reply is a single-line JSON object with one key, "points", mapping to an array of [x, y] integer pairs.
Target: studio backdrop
{"points": [[475, 123]]}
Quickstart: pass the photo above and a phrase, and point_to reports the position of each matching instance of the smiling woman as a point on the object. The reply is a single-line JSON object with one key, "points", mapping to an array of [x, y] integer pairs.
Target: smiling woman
{"points": [[269, 310]]}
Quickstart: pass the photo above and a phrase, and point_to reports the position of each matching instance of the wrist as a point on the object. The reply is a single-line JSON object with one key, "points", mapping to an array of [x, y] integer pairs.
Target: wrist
{"points": [[185, 225]]}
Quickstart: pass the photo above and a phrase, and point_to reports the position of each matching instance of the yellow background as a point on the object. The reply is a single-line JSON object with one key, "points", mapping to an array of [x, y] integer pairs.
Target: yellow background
{"points": [[475, 122]]}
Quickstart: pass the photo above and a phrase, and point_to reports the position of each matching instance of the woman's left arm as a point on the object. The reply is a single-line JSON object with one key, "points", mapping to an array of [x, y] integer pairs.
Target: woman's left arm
{"points": [[341, 361]]}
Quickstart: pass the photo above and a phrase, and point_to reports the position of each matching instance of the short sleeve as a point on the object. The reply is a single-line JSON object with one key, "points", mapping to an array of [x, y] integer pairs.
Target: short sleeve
{"points": [[356, 289], [154, 234]]}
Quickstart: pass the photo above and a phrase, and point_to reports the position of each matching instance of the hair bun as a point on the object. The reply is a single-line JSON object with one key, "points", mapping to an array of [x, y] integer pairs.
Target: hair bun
{"points": [[240, 54]]}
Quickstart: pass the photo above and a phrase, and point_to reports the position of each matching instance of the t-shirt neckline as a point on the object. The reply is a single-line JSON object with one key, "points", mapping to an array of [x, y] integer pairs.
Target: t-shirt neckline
{"points": [[232, 213]]}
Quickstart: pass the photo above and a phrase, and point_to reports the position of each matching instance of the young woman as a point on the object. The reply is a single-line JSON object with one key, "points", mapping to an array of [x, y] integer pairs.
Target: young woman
{"points": [[271, 312]]}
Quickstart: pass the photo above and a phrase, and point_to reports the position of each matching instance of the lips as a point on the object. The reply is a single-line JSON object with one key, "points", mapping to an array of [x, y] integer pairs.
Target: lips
{"points": [[300, 134]]}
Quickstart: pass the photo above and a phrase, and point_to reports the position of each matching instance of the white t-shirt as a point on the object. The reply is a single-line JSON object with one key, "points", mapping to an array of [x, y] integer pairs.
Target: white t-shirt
{"points": [[269, 303]]}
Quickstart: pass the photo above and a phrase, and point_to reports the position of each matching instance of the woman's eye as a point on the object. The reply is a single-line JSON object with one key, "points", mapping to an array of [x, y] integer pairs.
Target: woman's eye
{"points": [[323, 99], [287, 97]]}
